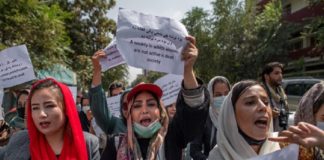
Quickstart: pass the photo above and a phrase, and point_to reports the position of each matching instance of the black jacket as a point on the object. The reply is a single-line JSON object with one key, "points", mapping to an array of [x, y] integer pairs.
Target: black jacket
{"points": [[203, 142]]}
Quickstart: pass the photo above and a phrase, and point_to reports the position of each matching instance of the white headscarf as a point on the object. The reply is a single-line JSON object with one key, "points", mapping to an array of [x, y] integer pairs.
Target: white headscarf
{"points": [[213, 112], [230, 144]]}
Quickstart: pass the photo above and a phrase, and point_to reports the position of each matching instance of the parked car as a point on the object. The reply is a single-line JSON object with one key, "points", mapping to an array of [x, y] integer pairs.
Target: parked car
{"points": [[295, 89]]}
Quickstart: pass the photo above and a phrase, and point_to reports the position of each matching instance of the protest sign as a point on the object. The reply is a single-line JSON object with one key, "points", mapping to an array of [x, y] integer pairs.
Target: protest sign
{"points": [[151, 42], [1, 97], [113, 104], [290, 152], [74, 92], [113, 59], [170, 85], [15, 67]]}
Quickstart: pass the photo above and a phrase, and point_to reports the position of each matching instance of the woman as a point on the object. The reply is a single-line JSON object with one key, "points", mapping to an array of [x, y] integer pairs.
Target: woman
{"points": [[218, 87], [149, 133], [18, 122], [244, 124], [54, 129], [311, 110]]}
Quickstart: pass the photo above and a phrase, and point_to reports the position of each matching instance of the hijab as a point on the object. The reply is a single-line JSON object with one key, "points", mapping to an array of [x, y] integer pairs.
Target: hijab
{"points": [[129, 147], [213, 112], [74, 146], [230, 143], [305, 108]]}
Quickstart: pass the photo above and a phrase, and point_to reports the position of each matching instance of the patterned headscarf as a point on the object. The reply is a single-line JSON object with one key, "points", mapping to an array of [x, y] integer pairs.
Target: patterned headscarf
{"points": [[305, 108], [74, 147], [129, 147]]}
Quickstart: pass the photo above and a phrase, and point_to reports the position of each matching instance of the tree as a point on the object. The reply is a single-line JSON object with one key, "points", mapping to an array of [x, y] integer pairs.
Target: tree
{"points": [[239, 40], [148, 77], [90, 30], [39, 26]]}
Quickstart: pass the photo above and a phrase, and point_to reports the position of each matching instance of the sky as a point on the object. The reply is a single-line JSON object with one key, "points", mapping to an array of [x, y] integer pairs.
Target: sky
{"points": [[175, 9]]}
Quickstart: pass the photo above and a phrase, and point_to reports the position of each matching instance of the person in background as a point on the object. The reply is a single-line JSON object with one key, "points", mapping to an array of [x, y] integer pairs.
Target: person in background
{"points": [[54, 129], [171, 110], [272, 80], [244, 124], [78, 101], [115, 88], [85, 114], [218, 88], [18, 122]]}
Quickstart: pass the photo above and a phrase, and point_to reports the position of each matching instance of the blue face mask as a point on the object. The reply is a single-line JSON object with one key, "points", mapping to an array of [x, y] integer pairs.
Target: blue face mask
{"points": [[147, 132], [320, 125], [218, 101]]}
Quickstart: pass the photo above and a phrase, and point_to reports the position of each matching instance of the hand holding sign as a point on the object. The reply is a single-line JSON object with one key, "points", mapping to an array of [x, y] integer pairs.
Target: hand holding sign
{"points": [[190, 52], [113, 57]]}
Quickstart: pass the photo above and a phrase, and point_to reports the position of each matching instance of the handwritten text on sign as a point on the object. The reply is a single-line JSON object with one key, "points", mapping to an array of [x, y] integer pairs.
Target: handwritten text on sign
{"points": [[151, 42], [114, 105], [170, 85], [113, 59], [15, 66]]}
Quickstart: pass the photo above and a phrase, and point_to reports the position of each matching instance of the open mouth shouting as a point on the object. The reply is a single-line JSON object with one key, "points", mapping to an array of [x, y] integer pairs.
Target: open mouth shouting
{"points": [[262, 122], [44, 124], [145, 121]]}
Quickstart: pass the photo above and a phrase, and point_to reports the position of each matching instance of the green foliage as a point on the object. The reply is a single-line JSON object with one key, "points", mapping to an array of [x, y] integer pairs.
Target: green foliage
{"points": [[238, 41], [39, 26], [61, 32], [148, 77]]}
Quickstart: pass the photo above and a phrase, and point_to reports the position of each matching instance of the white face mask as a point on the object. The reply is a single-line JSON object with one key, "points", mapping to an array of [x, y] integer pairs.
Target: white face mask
{"points": [[218, 101], [85, 109], [320, 125]]}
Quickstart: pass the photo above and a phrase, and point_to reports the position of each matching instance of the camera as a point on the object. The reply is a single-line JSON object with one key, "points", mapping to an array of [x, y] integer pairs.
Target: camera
{"points": [[283, 116]]}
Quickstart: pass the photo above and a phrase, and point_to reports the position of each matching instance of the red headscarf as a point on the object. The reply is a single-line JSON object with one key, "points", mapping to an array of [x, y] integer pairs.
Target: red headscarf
{"points": [[74, 147]]}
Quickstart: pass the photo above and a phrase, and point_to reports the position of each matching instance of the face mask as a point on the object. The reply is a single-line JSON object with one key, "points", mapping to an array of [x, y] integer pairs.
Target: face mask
{"points": [[320, 125], [218, 101], [85, 109], [21, 112], [147, 132]]}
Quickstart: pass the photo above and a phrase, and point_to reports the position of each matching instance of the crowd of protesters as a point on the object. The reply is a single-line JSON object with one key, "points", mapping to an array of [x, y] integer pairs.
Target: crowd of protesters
{"points": [[213, 121]]}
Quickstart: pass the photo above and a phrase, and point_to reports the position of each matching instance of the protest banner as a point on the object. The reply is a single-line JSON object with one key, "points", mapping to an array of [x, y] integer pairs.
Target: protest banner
{"points": [[113, 59], [170, 85], [113, 104], [151, 42], [15, 67], [290, 152], [1, 97]]}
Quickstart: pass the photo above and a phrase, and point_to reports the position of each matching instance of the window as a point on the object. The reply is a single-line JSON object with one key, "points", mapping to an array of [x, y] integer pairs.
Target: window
{"points": [[294, 89]]}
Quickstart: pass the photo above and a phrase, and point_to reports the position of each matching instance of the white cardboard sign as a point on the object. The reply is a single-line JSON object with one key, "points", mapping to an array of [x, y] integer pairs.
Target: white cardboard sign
{"points": [[170, 85], [290, 152], [113, 104], [73, 90], [1, 97], [113, 59], [15, 66], [151, 42]]}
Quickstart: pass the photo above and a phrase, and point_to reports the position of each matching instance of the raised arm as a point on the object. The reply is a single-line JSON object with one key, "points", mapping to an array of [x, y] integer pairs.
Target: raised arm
{"points": [[98, 102], [192, 103]]}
